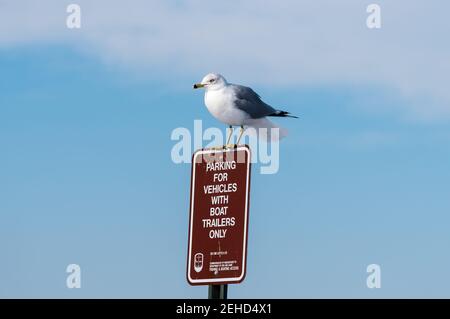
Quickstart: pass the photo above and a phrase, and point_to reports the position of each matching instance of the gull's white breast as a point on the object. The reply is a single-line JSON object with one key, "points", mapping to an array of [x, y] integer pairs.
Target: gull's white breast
{"points": [[220, 105]]}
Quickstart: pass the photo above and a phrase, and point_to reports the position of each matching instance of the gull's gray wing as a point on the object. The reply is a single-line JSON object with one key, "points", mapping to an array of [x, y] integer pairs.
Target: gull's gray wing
{"points": [[250, 102]]}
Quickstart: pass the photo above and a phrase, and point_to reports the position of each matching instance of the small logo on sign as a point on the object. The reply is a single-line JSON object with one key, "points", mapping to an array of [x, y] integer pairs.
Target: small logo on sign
{"points": [[198, 262]]}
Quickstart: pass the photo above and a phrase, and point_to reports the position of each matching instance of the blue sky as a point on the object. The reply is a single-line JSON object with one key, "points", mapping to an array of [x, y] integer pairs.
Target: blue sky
{"points": [[87, 176]]}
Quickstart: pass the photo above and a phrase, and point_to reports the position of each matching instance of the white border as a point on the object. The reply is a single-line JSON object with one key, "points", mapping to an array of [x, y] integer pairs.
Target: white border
{"points": [[196, 281]]}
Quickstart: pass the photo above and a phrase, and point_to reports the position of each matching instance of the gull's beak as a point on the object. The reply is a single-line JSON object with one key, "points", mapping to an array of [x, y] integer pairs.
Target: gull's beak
{"points": [[198, 86]]}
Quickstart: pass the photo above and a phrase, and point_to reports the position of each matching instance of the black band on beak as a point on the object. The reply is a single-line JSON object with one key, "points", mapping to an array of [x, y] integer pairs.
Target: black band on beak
{"points": [[198, 86]]}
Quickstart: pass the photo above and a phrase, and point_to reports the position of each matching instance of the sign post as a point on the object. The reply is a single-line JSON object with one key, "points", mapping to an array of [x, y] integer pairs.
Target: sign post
{"points": [[218, 222], [218, 292]]}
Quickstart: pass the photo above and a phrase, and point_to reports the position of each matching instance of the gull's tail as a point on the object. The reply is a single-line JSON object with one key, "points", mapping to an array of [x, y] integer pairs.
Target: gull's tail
{"points": [[283, 114], [265, 130]]}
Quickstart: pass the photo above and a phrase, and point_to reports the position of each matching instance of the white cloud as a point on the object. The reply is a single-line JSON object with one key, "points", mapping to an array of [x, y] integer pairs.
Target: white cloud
{"points": [[288, 43]]}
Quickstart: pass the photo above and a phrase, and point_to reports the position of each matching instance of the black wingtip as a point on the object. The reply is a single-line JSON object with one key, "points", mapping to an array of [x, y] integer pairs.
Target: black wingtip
{"points": [[283, 114]]}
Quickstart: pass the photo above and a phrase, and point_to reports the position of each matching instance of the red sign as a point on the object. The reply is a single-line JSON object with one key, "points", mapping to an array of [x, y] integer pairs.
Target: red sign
{"points": [[218, 223]]}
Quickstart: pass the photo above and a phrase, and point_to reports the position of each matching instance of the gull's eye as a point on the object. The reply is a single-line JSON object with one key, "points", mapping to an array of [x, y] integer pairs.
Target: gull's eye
{"points": [[211, 81]]}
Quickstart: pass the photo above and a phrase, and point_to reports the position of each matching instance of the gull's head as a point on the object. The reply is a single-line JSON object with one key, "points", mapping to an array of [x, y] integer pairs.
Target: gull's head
{"points": [[212, 81]]}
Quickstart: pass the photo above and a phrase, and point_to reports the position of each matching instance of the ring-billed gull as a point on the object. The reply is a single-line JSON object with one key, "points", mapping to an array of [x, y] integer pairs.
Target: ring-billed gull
{"points": [[237, 105]]}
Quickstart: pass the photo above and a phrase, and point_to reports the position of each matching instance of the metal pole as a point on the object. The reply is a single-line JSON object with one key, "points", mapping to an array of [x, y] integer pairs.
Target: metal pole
{"points": [[217, 291]]}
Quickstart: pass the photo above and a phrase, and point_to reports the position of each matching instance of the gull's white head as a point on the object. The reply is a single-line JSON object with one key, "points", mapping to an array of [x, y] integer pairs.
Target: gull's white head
{"points": [[212, 81]]}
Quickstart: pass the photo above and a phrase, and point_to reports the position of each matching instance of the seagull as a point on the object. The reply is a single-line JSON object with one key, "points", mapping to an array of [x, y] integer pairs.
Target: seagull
{"points": [[237, 105]]}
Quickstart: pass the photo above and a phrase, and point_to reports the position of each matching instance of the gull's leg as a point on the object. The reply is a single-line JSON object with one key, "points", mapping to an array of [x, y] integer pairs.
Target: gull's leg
{"points": [[229, 135], [240, 135], [228, 140], [228, 145]]}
